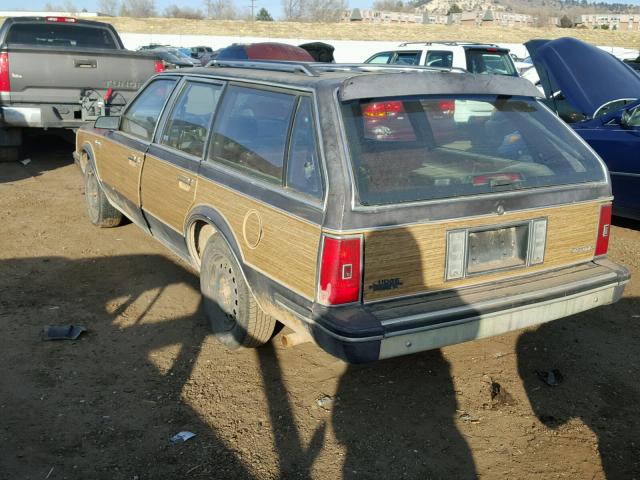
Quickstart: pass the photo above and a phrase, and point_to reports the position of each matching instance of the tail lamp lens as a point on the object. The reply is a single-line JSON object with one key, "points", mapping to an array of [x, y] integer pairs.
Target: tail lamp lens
{"points": [[340, 270], [602, 242], [5, 86], [159, 66], [382, 109], [447, 107]]}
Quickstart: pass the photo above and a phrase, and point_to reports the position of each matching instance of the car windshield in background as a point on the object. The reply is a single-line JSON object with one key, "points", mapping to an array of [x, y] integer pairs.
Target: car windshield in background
{"points": [[60, 35], [491, 61], [414, 149]]}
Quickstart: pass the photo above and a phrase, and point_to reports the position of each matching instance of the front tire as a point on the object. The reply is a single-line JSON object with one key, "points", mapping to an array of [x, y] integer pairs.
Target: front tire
{"points": [[233, 313], [100, 211]]}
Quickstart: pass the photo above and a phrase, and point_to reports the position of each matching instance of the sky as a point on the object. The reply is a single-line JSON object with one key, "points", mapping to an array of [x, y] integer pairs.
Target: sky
{"points": [[273, 6]]}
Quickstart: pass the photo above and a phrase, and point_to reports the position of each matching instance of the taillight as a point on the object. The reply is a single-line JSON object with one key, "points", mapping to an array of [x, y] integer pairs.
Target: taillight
{"points": [[340, 270], [382, 109], [159, 66], [602, 242], [447, 107], [5, 85], [107, 96], [61, 19]]}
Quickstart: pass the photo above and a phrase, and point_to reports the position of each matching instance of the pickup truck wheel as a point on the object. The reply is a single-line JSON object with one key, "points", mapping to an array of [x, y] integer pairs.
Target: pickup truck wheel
{"points": [[234, 315], [100, 211]]}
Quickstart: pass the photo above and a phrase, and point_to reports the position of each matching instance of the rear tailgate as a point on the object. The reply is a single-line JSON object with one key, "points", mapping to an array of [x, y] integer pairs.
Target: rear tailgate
{"points": [[61, 76], [413, 259]]}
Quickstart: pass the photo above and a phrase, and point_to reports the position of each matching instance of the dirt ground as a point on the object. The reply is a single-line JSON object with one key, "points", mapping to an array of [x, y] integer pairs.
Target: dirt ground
{"points": [[105, 406]]}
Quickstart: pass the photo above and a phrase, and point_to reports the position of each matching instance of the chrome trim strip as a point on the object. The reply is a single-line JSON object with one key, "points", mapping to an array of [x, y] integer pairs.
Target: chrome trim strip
{"points": [[498, 323], [625, 174]]}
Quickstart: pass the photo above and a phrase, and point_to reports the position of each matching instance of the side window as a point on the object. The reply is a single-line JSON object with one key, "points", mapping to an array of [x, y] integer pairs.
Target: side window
{"points": [[141, 117], [381, 58], [251, 131], [407, 58], [303, 168], [187, 126], [439, 58]]}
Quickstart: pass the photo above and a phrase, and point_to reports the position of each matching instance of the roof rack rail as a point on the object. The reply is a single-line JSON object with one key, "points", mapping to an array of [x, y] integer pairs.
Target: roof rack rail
{"points": [[376, 67], [451, 43], [276, 66]]}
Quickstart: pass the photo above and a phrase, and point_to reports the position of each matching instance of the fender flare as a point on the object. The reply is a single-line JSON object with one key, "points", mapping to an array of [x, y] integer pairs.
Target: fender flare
{"points": [[213, 217], [86, 148]]}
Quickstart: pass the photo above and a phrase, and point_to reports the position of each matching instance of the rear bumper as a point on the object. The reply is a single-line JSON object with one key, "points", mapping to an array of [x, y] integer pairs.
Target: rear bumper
{"points": [[367, 333], [37, 116]]}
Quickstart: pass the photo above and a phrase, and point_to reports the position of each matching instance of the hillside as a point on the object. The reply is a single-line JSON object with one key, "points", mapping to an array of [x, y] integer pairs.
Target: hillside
{"points": [[356, 31]]}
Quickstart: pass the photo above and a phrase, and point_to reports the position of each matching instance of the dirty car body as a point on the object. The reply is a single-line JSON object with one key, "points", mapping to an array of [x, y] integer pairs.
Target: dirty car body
{"points": [[598, 95], [355, 207]]}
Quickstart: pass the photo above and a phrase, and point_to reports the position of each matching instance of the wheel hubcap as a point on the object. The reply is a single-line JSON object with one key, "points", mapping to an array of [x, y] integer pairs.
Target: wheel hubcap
{"points": [[225, 291]]}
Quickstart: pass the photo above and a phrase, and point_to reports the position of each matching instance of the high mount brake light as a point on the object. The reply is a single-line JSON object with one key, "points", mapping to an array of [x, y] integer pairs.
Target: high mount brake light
{"points": [[61, 19], [159, 66], [604, 227], [340, 270], [5, 84], [383, 109]]}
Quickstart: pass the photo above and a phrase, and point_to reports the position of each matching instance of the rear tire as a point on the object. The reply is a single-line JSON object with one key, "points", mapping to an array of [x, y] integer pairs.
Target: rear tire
{"points": [[233, 313], [100, 211]]}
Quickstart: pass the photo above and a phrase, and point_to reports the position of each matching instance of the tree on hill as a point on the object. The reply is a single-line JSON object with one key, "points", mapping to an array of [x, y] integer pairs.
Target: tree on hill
{"points": [[264, 16], [220, 9], [454, 9], [565, 22], [138, 8], [174, 11]]}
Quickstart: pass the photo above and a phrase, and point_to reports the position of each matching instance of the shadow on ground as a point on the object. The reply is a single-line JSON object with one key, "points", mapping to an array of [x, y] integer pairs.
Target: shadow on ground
{"points": [[599, 360], [42, 151], [99, 408]]}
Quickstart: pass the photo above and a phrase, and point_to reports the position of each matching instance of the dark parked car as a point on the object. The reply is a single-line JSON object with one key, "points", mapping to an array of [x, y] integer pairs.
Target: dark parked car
{"points": [[322, 196], [598, 95], [171, 59], [264, 51]]}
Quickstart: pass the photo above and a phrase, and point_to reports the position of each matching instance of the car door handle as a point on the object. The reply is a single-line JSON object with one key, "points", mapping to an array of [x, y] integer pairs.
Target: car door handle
{"points": [[133, 160], [84, 63], [184, 182]]}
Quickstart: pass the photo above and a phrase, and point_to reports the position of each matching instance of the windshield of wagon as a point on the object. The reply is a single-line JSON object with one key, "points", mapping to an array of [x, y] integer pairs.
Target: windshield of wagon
{"points": [[424, 148]]}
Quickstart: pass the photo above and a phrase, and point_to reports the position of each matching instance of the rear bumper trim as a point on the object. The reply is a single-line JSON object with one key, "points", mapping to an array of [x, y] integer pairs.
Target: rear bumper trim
{"points": [[21, 116], [482, 326]]}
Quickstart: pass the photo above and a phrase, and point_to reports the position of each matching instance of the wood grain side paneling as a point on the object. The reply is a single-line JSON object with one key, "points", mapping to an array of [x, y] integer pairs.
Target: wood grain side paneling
{"points": [[116, 170], [166, 194], [287, 250], [416, 254]]}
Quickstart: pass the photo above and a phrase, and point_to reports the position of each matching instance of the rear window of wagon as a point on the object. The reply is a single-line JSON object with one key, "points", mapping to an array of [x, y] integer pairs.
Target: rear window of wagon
{"points": [[407, 149]]}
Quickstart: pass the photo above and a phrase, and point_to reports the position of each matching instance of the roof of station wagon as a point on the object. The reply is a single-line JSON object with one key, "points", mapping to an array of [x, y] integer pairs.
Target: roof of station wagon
{"points": [[366, 81]]}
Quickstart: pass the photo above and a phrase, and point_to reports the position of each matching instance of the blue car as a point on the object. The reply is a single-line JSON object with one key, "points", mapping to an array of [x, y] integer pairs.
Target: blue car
{"points": [[598, 95]]}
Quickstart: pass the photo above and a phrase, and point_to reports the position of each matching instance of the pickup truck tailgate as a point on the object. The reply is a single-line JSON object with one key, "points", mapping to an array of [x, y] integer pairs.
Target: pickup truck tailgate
{"points": [[31, 72]]}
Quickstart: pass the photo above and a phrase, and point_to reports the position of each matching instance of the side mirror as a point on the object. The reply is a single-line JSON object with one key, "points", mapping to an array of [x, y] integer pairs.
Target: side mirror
{"points": [[107, 123]]}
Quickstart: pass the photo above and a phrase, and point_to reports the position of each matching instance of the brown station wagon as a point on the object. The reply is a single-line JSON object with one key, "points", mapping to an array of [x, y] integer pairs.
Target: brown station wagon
{"points": [[351, 204]]}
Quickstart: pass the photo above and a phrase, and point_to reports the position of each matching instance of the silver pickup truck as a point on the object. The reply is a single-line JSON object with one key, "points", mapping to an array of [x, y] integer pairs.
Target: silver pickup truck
{"points": [[60, 72]]}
